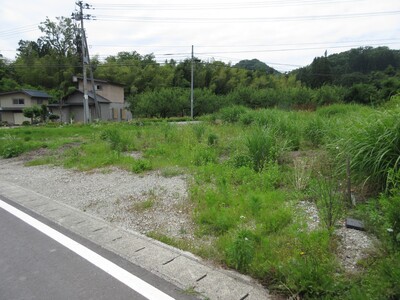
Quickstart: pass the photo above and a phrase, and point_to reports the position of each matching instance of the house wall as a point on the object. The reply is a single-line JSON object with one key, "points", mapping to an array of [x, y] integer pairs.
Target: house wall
{"points": [[118, 112], [16, 117], [69, 112], [7, 100], [76, 99], [105, 111], [19, 118], [63, 114], [7, 116], [112, 92], [76, 113]]}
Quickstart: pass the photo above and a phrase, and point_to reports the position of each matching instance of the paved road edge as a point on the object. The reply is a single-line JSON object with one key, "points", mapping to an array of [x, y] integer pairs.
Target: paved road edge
{"points": [[181, 268]]}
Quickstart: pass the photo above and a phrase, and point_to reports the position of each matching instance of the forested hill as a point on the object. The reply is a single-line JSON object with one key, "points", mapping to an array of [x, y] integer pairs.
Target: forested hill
{"points": [[255, 65], [351, 67]]}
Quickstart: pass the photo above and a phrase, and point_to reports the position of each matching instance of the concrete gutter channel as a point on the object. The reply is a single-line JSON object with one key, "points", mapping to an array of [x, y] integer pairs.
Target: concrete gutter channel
{"points": [[178, 267]]}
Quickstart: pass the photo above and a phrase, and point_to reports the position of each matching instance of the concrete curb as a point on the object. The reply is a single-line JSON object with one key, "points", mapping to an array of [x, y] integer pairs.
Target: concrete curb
{"points": [[181, 268]]}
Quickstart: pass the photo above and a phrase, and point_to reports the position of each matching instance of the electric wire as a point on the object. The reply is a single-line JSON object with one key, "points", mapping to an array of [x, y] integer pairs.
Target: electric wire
{"points": [[114, 18], [224, 5]]}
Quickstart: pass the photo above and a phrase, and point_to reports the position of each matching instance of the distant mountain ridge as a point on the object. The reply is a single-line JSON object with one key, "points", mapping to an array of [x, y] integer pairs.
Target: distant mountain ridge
{"points": [[255, 65], [356, 65]]}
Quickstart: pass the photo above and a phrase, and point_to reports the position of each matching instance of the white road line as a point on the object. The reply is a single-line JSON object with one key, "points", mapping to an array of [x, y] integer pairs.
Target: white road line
{"points": [[135, 283]]}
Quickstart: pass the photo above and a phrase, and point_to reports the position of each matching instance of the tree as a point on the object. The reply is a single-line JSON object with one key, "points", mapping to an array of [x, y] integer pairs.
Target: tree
{"points": [[51, 61], [7, 81], [33, 112], [362, 93], [321, 72], [60, 37], [44, 113]]}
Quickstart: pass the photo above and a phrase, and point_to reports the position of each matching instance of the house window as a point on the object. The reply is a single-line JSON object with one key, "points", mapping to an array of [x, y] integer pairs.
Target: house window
{"points": [[18, 101], [39, 101], [98, 87]]}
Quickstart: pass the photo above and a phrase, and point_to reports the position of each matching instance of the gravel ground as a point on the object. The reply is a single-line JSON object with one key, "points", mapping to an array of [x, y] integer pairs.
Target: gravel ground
{"points": [[148, 203], [353, 244], [143, 203]]}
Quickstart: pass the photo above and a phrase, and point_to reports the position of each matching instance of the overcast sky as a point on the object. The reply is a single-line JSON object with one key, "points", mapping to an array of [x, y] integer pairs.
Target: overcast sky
{"points": [[285, 34]]}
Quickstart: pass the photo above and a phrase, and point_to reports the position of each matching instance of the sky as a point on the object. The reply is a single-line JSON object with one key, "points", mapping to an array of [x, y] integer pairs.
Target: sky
{"points": [[285, 34]]}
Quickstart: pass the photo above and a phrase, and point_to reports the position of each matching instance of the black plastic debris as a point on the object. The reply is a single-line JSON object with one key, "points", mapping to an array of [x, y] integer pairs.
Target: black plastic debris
{"points": [[355, 224]]}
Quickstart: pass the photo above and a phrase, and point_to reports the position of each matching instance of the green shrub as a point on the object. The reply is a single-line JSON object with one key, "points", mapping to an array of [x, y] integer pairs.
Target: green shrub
{"points": [[11, 147], [329, 94], [114, 138], [141, 165], [53, 117], [203, 156]]}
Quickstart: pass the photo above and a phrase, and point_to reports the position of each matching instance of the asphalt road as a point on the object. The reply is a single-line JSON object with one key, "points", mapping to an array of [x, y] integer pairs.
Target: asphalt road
{"points": [[34, 266]]}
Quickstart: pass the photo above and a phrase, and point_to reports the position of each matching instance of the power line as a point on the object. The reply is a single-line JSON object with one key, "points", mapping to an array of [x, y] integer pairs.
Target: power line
{"points": [[243, 20], [390, 40], [11, 33], [17, 29], [224, 5]]}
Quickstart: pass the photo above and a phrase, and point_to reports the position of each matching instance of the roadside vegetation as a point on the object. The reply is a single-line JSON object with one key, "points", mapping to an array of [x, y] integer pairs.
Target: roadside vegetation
{"points": [[249, 169]]}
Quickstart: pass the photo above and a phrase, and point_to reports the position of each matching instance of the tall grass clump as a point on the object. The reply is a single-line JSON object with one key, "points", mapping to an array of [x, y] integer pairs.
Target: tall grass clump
{"points": [[286, 125], [261, 148], [329, 200], [314, 131], [199, 130], [115, 139], [373, 147], [232, 114]]}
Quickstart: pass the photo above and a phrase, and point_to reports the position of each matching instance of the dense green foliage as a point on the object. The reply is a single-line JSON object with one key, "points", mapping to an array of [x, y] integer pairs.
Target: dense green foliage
{"points": [[255, 65], [370, 75], [364, 75]]}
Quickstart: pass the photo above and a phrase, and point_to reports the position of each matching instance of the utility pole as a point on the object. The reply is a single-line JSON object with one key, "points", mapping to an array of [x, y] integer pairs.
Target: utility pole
{"points": [[85, 63], [191, 85], [86, 113]]}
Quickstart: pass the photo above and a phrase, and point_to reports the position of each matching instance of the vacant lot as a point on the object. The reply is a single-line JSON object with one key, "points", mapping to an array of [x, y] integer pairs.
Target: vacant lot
{"points": [[263, 192]]}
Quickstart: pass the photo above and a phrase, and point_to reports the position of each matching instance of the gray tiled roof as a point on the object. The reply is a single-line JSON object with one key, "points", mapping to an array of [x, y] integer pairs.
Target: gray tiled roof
{"points": [[31, 93], [36, 94]]}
